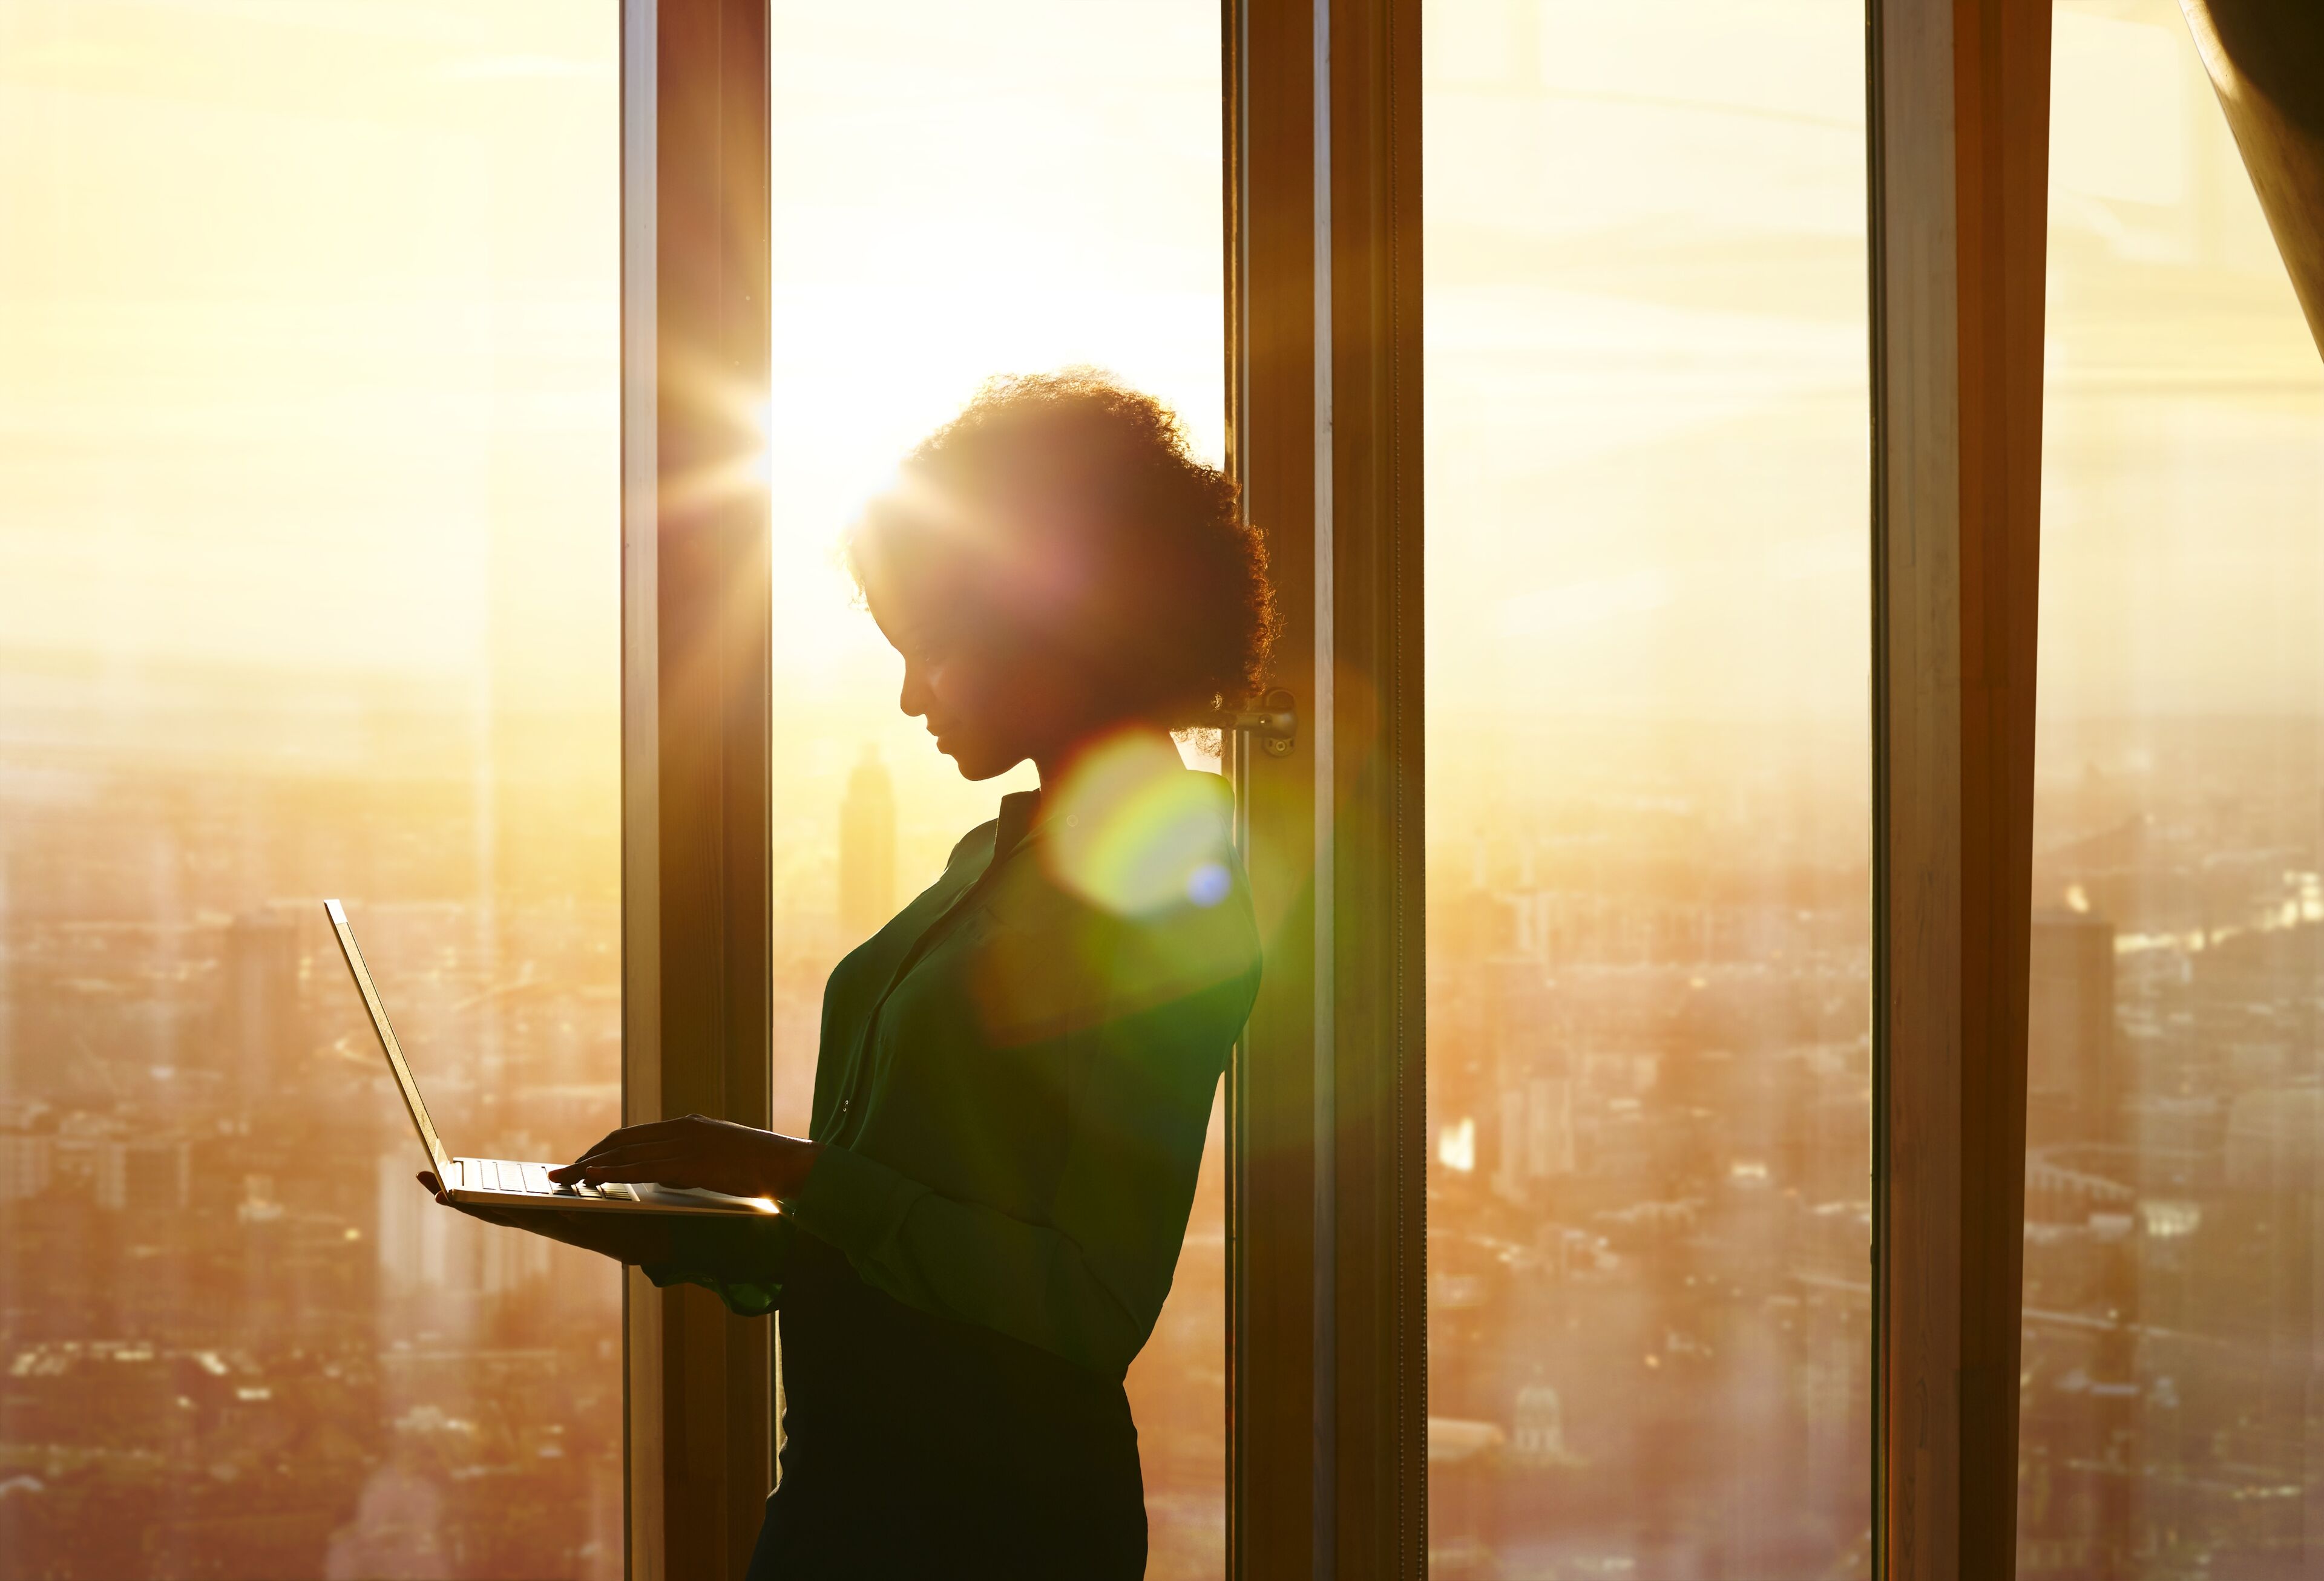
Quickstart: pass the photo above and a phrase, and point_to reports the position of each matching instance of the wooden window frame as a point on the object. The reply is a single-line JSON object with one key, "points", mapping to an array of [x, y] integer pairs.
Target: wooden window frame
{"points": [[1328, 1386], [1957, 95], [697, 679], [1326, 1399], [1327, 1458]]}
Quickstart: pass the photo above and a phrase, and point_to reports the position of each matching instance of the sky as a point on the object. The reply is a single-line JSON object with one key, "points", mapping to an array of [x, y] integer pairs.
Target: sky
{"points": [[305, 311], [308, 327]]}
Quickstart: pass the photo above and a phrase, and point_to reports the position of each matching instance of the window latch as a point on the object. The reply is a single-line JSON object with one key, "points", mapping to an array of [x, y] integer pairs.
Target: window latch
{"points": [[1273, 723]]}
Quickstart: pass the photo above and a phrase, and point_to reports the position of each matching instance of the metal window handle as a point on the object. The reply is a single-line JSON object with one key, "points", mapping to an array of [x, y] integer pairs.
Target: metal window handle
{"points": [[1273, 725]]}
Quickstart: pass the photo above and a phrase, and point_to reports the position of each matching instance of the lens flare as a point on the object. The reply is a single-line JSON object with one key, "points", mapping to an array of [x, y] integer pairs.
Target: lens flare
{"points": [[1134, 832]]}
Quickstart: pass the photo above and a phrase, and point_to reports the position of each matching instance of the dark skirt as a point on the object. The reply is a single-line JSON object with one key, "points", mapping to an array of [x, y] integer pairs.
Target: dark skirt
{"points": [[915, 1445]]}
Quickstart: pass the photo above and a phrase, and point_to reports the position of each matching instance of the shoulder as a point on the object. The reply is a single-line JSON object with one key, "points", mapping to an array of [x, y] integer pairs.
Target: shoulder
{"points": [[1171, 896], [1112, 910], [976, 845], [1206, 937]]}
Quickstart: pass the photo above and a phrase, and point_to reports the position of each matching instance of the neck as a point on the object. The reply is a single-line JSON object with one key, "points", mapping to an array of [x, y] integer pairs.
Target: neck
{"points": [[1056, 764]]}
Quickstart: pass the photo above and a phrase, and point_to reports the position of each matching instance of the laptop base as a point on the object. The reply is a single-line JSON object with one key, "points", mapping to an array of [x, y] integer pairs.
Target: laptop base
{"points": [[499, 1184]]}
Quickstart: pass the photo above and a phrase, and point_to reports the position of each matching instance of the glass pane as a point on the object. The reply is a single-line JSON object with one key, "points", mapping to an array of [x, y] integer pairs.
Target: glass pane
{"points": [[961, 192], [2172, 1422], [308, 586], [1649, 917]]}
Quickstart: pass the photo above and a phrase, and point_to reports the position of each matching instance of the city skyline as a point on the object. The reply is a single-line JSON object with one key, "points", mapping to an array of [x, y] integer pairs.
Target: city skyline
{"points": [[309, 585]]}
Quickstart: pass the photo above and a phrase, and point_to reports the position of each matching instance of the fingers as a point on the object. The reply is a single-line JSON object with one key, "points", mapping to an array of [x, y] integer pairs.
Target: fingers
{"points": [[649, 1133], [690, 1150], [666, 1162], [638, 1156], [594, 1168], [680, 1134], [666, 1172], [434, 1186], [620, 1136], [610, 1140]]}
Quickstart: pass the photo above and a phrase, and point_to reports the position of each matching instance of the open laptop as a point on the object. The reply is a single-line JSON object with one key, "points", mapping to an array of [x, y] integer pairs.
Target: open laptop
{"points": [[499, 1183]]}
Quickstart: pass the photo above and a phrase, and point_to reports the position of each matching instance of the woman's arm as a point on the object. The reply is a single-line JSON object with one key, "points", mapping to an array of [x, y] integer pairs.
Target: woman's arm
{"points": [[696, 1151], [956, 1258], [965, 1261], [738, 1256], [1088, 1283], [626, 1238]]}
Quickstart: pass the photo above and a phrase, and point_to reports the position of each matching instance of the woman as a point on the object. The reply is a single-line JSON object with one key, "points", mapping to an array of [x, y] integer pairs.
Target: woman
{"points": [[1016, 1073]]}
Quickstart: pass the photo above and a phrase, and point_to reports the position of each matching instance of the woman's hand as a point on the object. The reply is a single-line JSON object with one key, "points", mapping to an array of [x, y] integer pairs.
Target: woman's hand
{"points": [[626, 1238], [716, 1155]]}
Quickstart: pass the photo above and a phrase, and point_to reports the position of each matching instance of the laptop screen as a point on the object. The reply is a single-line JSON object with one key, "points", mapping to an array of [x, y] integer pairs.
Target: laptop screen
{"points": [[378, 1012]]}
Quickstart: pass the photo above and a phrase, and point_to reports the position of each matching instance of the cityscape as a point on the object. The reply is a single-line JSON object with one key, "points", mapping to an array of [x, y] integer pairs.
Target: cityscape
{"points": [[237, 1338], [276, 625], [1648, 646], [238, 1341], [2171, 1421], [1649, 1218]]}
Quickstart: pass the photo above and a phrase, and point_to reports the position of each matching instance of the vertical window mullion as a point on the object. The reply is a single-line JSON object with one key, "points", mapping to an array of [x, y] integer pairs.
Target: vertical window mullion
{"points": [[697, 730], [1271, 1235], [1328, 1390], [1960, 140]]}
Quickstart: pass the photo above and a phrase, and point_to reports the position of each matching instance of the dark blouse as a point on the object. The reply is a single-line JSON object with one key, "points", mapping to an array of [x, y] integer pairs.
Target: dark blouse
{"points": [[1014, 1082]]}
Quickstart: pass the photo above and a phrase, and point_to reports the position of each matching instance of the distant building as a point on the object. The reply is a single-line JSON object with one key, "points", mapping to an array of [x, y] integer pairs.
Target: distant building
{"points": [[259, 1025], [1537, 1134], [867, 848], [27, 1159], [1539, 1439], [2076, 1085], [427, 1257], [2276, 1140], [408, 1236], [144, 1176]]}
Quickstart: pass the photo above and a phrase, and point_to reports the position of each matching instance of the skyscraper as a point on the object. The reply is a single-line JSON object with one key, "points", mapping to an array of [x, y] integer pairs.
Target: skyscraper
{"points": [[258, 1010], [2075, 1089], [867, 848]]}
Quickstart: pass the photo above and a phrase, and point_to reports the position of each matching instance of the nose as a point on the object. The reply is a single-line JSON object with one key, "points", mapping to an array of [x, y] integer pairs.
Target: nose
{"points": [[913, 700]]}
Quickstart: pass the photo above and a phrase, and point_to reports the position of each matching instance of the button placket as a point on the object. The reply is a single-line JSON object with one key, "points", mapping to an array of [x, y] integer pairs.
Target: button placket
{"points": [[917, 951]]}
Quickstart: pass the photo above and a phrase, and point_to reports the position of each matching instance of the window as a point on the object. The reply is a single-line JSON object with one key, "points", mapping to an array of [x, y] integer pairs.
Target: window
{"points": [[312, 580], [1649, 917], [308, 586], [2174, 1112], [958, 193]]}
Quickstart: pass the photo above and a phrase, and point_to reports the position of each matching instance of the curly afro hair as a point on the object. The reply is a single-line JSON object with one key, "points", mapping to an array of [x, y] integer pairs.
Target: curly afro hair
{"points": [[1065, 509]]}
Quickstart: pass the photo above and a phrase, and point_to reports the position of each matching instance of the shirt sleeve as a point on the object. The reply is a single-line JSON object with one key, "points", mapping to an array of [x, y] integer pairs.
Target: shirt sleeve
{"points": [[1088, 1284], [740, 1260]]}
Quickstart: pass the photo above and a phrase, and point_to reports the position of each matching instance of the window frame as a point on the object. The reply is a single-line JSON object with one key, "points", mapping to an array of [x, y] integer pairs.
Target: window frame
{"points": [[1958, 95], [1326, 1400], [697, 733], [1327, 1464], [1326, 199]]}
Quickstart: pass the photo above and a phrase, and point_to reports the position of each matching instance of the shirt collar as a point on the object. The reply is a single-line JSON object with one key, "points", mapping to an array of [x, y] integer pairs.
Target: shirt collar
{"points": [[1018, 809]]}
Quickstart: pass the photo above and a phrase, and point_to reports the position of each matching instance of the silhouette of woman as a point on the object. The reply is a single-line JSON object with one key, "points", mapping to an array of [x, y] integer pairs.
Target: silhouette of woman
{"points": [[1016, 1072]]}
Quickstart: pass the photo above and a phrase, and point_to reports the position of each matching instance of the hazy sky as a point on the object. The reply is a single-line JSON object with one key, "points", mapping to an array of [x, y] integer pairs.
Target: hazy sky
{"points": [[308, 332], [307, 337]]}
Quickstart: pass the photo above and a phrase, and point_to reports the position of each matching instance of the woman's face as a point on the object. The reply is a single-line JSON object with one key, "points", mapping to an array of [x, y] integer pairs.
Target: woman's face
{"points": [[989, 697]]}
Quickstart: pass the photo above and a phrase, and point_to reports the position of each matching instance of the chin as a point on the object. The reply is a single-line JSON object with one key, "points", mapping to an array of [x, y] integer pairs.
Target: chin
{"points": [[976, 770], [976, 765]]}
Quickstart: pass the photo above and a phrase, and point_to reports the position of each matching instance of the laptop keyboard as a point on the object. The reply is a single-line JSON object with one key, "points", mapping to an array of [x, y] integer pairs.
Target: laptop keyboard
{"points": [[531, 1179]]}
